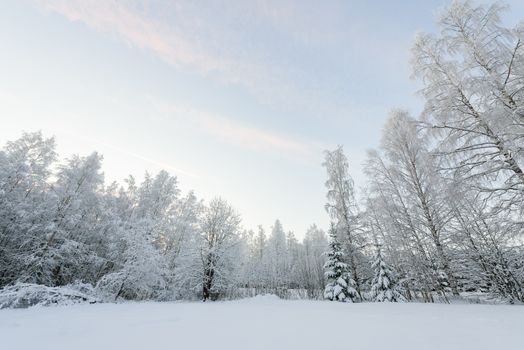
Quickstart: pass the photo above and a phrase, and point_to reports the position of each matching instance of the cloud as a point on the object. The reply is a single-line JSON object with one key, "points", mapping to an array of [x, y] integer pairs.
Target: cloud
{"points": [[244, 136], [233, 43], [267, 49], [162, 165], [248, 137], [180, 39], [137, 30]]}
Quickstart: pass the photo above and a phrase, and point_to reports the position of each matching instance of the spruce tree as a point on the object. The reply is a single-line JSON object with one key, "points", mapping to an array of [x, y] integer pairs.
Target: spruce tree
{"points": [[384, 287], [340, 286]]}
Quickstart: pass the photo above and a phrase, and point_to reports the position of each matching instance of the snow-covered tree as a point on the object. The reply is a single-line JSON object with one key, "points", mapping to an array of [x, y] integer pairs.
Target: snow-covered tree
{"points": [[219, 249], [70, 239], [143, 271], [25, 211], [343, 209], [413, 168], [384, 287], [340, 286], [139, 269], [181, 226], [311, 266], [474, 94], [277, 255], [258, 270], [292, 255]]}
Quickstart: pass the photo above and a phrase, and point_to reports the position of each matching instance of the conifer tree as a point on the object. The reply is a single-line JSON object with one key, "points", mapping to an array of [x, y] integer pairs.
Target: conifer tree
{"points": [[384, 287], [340, 286]]}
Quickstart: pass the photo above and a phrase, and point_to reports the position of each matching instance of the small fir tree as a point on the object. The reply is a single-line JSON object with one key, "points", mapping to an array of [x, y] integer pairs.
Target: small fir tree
{"points": [[340, 286], [384, 287]]}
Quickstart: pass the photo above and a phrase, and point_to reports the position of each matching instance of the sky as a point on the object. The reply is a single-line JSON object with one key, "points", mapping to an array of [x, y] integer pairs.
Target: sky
{"points": [[238, 99]]}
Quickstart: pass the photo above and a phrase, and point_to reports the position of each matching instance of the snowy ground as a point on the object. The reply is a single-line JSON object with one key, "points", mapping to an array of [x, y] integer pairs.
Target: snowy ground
{"points": [[264, 323]]}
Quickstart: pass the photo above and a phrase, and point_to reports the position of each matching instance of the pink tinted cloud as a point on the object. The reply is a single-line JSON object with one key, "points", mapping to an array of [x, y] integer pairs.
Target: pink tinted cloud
{"points": [[123, 22], [244, 136]]}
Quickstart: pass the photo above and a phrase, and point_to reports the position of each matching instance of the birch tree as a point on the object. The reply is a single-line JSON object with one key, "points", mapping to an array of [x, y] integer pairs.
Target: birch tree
{"points": [[474, 90]]}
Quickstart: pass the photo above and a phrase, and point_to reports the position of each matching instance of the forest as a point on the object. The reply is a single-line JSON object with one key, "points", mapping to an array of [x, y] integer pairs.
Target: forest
{"points": [[441, 216]]}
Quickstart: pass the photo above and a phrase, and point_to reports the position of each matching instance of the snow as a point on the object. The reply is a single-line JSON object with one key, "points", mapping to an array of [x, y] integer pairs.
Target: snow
{"points": [[264, 323], [22, 295], [260, 299]]}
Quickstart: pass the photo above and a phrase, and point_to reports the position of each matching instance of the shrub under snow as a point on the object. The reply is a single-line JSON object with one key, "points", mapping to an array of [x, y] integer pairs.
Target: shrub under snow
{"points": [[24, 295]]}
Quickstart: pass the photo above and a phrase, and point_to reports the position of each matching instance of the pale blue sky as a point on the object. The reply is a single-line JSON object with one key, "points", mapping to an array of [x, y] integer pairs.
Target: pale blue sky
{"points": [[236, 98]]}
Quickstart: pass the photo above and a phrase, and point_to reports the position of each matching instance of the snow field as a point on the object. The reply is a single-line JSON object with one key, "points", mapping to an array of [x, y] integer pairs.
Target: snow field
{"points": [[264, 323]]}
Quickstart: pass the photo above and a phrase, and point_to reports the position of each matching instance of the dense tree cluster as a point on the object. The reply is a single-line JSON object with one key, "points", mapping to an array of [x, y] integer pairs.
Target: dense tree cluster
{"points": [[441, 213], [59, 224], [445, 193]]}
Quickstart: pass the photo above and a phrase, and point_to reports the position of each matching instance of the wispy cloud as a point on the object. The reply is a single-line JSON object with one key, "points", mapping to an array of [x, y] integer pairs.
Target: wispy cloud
{"points": [[159, 164], [118, 18], [219, 40], [98, 143], [231, 131], [182, 39], [269, 49]]}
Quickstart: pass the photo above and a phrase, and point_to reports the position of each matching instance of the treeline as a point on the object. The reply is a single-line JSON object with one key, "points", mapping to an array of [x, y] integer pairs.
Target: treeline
{"points": [[60, 224], [442, 212]]}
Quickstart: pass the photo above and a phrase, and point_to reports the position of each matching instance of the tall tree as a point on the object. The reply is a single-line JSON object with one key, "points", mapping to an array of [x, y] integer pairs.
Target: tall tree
{"points": [[415, 171], [311, 267], [25, 172], [474, 90], [277, 254], [342, 208], [72, 229], [220, 227]]}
